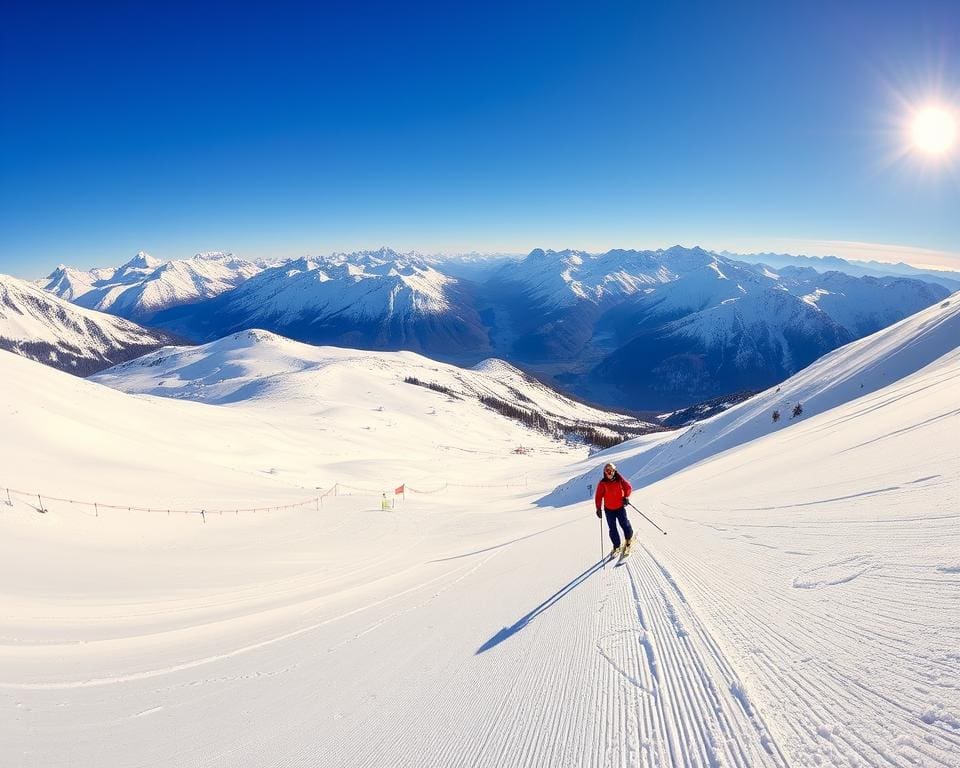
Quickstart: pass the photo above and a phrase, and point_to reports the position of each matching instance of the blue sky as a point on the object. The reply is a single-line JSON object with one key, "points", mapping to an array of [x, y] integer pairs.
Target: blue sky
{"points": [[287, 129]]}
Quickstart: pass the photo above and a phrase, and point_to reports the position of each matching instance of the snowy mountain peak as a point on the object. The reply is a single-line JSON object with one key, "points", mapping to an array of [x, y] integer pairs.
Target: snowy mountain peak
{"points": [[684, 259], [248, 340], [379, 257], [213, 256], [142, 260]]}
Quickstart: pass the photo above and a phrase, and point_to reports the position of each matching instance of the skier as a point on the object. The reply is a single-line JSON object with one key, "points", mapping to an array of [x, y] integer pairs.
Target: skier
{"points": [[614, 492]]}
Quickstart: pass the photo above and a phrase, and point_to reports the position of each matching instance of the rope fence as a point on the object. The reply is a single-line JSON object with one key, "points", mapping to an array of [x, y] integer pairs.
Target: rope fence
{"points": [[203, 512], [315, 500]]}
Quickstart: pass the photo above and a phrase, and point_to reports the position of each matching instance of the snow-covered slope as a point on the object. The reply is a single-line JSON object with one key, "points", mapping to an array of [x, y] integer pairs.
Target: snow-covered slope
{"points": [[255, 411], [802, 610], [39, 326], [145, 285], [258, 365], [812, 563]]}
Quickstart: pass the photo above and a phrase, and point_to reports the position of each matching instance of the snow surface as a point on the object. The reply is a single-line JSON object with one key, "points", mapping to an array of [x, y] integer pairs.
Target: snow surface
{"points": [[803, 610], [256, 364]]}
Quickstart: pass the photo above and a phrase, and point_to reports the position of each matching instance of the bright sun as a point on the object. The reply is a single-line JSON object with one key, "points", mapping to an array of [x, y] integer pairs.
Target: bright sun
{"points": [[934, 130]]}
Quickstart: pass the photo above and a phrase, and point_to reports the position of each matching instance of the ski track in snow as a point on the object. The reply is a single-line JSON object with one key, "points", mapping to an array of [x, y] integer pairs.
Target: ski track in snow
{"points": [[674, 694], [821, 701]]}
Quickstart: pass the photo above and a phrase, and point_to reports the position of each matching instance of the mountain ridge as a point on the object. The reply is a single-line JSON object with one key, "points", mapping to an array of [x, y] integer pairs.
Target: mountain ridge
{"points": [[655, 329], [40, 326]]}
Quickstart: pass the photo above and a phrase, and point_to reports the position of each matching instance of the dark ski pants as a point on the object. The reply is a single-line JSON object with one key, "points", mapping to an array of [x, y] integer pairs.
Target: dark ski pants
{"points": [[615, 516]]}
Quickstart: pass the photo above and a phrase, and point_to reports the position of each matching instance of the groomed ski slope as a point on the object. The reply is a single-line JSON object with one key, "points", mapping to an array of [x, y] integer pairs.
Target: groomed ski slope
{"points": [[803, 610]]}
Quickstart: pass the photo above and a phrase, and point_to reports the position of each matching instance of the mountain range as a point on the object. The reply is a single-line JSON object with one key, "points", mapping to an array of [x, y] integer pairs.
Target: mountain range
{"points": [[143, 286], [854, 267], [75, 339], [660, 329]]}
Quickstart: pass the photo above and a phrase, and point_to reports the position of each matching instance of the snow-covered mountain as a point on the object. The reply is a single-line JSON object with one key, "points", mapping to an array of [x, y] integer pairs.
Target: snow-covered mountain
{"points": [[44, 328], [861, 305], [664, 329], [144, 285], [854, 371], [640, 329], [946, 278], [256, 364], [371, 299], [739, 343]]}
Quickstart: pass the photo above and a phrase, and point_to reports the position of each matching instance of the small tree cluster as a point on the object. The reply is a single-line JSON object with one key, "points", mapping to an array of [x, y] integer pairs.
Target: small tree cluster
{"points": [[530, 418], [598, 438], [430, 385]]}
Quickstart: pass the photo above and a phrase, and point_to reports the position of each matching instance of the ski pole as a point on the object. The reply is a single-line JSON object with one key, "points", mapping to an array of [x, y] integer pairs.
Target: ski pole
{"points": [[600, 520], [648, 520]]}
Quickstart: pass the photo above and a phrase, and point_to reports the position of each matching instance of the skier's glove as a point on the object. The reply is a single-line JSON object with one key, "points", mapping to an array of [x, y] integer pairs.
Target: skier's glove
{"points": [[598, 513], [626, 500]]}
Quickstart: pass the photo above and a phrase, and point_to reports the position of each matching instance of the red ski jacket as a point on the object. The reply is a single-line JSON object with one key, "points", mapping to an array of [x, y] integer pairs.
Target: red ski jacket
{"points": [[612, 492]]}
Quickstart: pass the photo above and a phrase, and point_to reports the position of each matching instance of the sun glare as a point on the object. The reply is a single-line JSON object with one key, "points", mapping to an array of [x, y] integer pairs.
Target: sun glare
{"points": [[934, 130]]}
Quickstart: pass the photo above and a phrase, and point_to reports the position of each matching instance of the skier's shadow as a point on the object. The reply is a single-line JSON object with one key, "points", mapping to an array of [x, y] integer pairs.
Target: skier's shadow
{"points": [[520, 623]]}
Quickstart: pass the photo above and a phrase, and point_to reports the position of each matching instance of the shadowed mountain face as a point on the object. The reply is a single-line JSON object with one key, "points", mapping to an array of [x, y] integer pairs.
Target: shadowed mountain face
{"points": [[748, 343], [639, 329], [39, 326]]}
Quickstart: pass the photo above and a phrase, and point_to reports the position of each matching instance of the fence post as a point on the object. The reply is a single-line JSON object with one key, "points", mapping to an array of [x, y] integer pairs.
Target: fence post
{"points": [[41, 510], [203, 514], [9, 500], [96, 510]]}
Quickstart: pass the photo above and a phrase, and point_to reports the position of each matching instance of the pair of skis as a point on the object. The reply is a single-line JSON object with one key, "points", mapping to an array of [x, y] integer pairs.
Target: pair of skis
{"points": [[624, 554]]}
